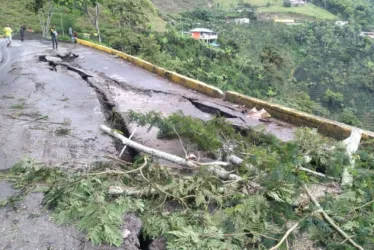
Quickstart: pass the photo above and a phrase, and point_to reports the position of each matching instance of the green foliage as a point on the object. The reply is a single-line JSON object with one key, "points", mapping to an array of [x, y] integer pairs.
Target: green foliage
{"points": [[201, 211], [329, 158], [301, 101], [20, 105], [361, 11], [207, 135], [131, 13], [287, 3], [348, 116], [60, 131], [334, 98]]}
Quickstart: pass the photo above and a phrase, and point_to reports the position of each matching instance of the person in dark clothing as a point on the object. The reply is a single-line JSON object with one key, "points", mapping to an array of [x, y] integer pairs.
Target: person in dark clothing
{"points": [[75, 36], [22, 31], [54, 37]]}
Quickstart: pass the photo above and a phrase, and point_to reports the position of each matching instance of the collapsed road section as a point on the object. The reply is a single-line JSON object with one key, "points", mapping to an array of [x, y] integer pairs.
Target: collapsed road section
{"points": [[52, 104], [119, 96]]}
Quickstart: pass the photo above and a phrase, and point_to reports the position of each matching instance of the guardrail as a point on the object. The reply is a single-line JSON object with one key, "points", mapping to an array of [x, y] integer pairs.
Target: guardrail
{"points": [[325, 126], [170, 75]]}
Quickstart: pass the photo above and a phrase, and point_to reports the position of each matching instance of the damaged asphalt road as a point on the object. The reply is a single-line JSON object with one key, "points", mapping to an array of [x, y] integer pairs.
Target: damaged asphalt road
{"points": [[51, 107]]}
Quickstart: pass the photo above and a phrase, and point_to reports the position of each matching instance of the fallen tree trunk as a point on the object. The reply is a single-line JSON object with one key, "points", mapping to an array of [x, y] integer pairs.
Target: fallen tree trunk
{"points": [[154, 152], [214, 169], [235, 160], [329, 220]]}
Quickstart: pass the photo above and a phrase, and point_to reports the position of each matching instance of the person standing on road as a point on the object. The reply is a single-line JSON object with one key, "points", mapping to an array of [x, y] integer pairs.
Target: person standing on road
{"points": [[75, 36], [71, 32], [22, 31], [54, 37], [8, 35]]}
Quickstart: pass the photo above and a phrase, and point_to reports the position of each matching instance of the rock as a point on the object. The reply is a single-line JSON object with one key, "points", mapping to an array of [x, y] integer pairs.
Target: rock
{"points": [[131, 231], [158, 244], [53, 59], [262, 114]]}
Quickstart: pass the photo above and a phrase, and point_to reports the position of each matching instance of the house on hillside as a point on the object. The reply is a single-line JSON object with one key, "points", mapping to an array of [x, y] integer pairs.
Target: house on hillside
{"points": [[205, 35], [242, 20], [285, 21], [238, 20], [295, 3], [341, 23], [367, 34]]}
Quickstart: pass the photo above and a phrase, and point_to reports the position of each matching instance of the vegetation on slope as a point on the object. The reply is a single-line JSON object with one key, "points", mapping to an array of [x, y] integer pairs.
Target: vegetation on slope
{"points": [[308, 10], [315, 67], [17, 13], [265, 60], [318, 68], [264, 6], [204, 211]]}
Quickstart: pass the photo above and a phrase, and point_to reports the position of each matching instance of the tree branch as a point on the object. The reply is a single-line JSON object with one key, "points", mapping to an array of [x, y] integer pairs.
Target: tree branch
{"points": [[88, 13], [329, 220], [315, 173], [120, 172], [285, 236], [216, 170]]}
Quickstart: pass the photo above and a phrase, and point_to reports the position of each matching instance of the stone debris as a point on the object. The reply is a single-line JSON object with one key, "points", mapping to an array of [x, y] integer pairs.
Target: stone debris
{"points": [[255, 114]]}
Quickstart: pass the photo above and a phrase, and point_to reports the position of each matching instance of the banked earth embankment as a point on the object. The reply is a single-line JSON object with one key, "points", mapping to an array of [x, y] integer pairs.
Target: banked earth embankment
{"points": [[325, 126]]}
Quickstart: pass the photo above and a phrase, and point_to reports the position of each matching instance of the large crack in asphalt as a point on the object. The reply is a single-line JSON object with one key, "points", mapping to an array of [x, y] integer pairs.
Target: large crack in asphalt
{"points": [[205, 107], [113, 118], [116, 119]]}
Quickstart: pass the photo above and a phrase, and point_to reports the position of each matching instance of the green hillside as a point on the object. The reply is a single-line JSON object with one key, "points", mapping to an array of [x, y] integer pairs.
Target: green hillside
{"points": [[264, 6], [16, 13], [308, 10]]}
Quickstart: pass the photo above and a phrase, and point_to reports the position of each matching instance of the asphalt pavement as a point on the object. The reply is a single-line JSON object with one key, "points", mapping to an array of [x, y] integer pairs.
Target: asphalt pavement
{"points": [[51, 107]]}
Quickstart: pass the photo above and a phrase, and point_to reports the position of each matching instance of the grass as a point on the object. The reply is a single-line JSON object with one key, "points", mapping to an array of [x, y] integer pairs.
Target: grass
{"points": [[308, 10], [16, 13], [18, 106], [233, 3], [62, 131], [276, 6]]}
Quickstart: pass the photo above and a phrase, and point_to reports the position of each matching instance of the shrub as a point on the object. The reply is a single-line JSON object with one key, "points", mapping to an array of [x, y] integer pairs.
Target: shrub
{"points": [[348, 116], [287, 3], [334, 98]]}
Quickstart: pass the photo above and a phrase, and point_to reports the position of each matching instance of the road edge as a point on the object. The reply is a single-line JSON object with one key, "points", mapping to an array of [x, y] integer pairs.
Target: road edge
{"points": [[174, 77], [325, 126]]}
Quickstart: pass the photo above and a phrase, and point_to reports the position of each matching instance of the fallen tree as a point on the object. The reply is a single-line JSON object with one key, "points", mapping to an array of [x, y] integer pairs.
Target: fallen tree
{"points": [[211, 167], [205, 209]]}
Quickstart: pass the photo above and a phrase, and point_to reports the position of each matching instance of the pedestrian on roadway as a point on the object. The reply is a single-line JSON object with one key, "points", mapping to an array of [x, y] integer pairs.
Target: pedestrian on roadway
{"points": [[22, 31], [75, 36], [8, 35], [54, 37], [71, 33]]}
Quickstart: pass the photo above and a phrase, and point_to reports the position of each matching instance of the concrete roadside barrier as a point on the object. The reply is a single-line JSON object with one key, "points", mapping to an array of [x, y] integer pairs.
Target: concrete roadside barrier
{"points": [[325, 126], [174, 77]]}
